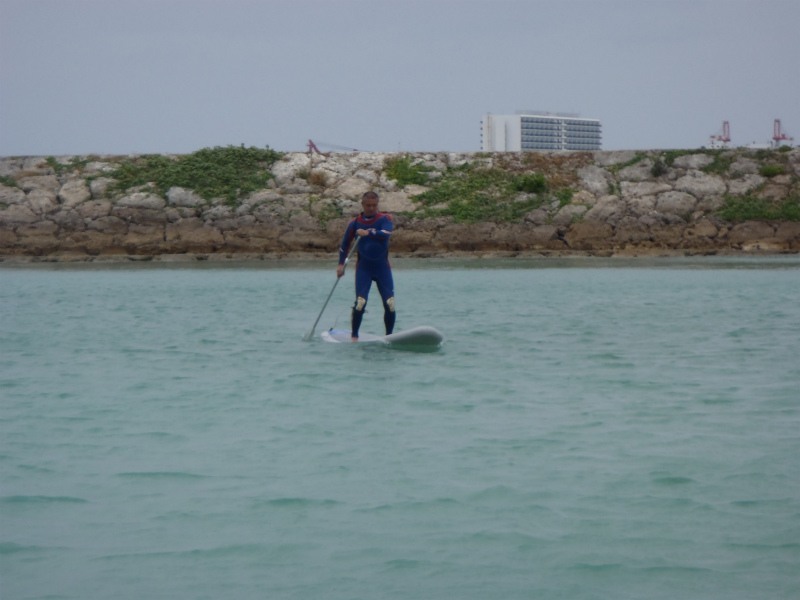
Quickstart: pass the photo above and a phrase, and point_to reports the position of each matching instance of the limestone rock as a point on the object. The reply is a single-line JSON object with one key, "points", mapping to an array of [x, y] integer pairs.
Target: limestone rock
{"points": [[40, 228], [740, 187], [94, 209], [354, 188], [99, 187], [617, 157], [395, 202], [636, 172], [142, 200], [286, 170], [538, 216], [644, 188], [702, 228], [42, 201], [17, 214], [700, 184], [676, 203], [608, 209], [112, 225], [588, 235], [413, 189], [40, 182], [568, 214], [68, 219], [693, 161], [750, 231], [11, 195], [303, 220], [595, 179], [640, 206], [178, 196], [774, 192], [73, 193], [744, 166]]}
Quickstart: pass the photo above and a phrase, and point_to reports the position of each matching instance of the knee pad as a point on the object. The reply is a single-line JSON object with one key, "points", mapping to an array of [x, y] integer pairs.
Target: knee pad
{"points": [[390, 304], [360, 303]]}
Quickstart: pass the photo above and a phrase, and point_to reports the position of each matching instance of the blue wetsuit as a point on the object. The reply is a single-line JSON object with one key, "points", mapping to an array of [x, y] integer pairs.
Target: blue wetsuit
{"points": [[372, 265]]}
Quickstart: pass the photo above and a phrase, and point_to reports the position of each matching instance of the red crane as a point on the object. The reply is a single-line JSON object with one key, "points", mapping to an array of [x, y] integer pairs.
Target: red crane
{"points": [[723, 139], [777, 136]]}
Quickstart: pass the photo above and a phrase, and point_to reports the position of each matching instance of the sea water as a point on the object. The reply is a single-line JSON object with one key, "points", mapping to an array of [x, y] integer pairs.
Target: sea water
{"points": [[590, 429]]}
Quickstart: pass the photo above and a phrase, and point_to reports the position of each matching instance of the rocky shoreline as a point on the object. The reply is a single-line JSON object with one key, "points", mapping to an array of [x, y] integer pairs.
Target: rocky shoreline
{"points": [[625, 203]]}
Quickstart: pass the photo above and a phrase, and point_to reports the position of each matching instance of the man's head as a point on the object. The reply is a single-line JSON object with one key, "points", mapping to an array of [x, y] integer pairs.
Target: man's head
{"points": [[369, 204]]}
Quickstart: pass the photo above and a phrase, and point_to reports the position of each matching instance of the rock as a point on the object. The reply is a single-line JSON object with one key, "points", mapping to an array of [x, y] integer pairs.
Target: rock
{"points": [[710, 204], [40, 182], [700, 184], [749, 232], [702, 228], [644, 188], [774, 192], [740, 187], [110, 225], [608, 209], [140, 216], [99, 187], [73, 193], [595, 179], [413, 189], [643, 205], [142, 200], [568, 214], [40, 228], [636, 172], [11, 195], [42, 201], [94, 209], [617, 157], [68, 219], [538, 216], [178, 196], [676, 203], [192, 235], [369, 176], [303, 220], [17, 214], [744, 166], [395, 202], [353, 188], [220, 212], [96, 166], [265, 197], [693, 161], [588, 236], [582, 197], [143, 239], [286, 169]]}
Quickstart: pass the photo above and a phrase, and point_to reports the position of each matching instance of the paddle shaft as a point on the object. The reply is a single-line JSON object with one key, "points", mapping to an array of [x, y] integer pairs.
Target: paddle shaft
{"points": [[310, 334]]}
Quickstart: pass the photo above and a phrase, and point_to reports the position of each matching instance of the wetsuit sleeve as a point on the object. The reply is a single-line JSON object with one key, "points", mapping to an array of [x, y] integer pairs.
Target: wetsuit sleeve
{"points": [[383, 228], [344, 248]]}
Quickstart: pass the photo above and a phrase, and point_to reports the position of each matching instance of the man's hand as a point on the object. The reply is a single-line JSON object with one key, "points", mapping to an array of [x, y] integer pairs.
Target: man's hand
{"points": [[362, 232], [340, 270]]}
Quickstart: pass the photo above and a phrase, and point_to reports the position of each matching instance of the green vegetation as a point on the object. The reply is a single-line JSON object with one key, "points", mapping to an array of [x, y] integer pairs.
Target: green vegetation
{"points": [[75, 164], [404, 172], [230, 172], [8, 181], [752, 208], [659, 168], [772, 170], [785, 149], [473, 193]]}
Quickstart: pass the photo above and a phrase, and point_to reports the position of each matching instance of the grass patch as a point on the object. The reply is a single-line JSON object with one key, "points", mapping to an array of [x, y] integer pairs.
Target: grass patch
{"points": [[230, 172], [475, 193], [8, 181], [75, 163], [772, 170], [404, 172], [752, 208]]}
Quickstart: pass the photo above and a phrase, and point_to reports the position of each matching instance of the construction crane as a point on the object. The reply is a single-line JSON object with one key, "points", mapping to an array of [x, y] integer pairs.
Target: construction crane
{"points": [[722, 141], [312, 147], [778, 136]]}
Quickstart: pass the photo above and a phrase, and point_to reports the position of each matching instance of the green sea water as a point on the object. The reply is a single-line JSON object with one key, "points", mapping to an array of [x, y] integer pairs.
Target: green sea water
{"points": [[591, 429]]}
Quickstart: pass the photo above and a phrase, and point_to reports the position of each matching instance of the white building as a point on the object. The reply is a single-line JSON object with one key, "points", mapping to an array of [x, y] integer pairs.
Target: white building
{"points": [[539, 131]]}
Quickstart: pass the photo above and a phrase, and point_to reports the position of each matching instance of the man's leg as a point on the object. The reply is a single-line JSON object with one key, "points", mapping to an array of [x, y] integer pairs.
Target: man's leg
{"points": [[386, 290], [363, 283]]}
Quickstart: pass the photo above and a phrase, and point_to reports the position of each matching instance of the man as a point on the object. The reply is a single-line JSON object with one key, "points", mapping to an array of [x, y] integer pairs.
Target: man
{"points": [[374, 229]]}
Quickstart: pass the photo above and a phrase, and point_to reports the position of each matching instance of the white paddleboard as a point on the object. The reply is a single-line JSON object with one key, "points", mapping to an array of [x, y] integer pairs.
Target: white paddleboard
{"points": [[423, 336]]}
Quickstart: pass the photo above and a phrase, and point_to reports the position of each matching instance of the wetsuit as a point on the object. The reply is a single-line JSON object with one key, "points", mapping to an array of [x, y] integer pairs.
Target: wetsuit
{"points": [[372, 265]]}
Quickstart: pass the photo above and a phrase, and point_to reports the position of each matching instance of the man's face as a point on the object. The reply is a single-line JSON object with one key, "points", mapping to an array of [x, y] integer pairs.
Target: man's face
{"points": [[370, 206]]}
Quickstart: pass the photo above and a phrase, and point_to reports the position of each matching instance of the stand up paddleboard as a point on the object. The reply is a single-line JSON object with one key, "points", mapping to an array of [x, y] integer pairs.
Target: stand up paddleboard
{"points": [[418, 337]]}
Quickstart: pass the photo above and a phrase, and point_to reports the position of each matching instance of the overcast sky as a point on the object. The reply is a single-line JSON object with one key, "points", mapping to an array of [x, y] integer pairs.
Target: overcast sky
{"points": [[174, 76]]}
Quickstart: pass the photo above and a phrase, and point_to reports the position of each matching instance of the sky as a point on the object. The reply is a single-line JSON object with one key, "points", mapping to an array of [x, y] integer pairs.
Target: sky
{"points": [[175, 76]]}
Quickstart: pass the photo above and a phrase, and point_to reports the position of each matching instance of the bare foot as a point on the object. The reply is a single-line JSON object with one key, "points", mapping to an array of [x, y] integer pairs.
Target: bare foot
{"points": [[353, 339]]}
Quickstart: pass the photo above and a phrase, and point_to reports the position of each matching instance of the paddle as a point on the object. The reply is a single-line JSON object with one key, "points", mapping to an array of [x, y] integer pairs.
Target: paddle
{"points": [[310, 334]]}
